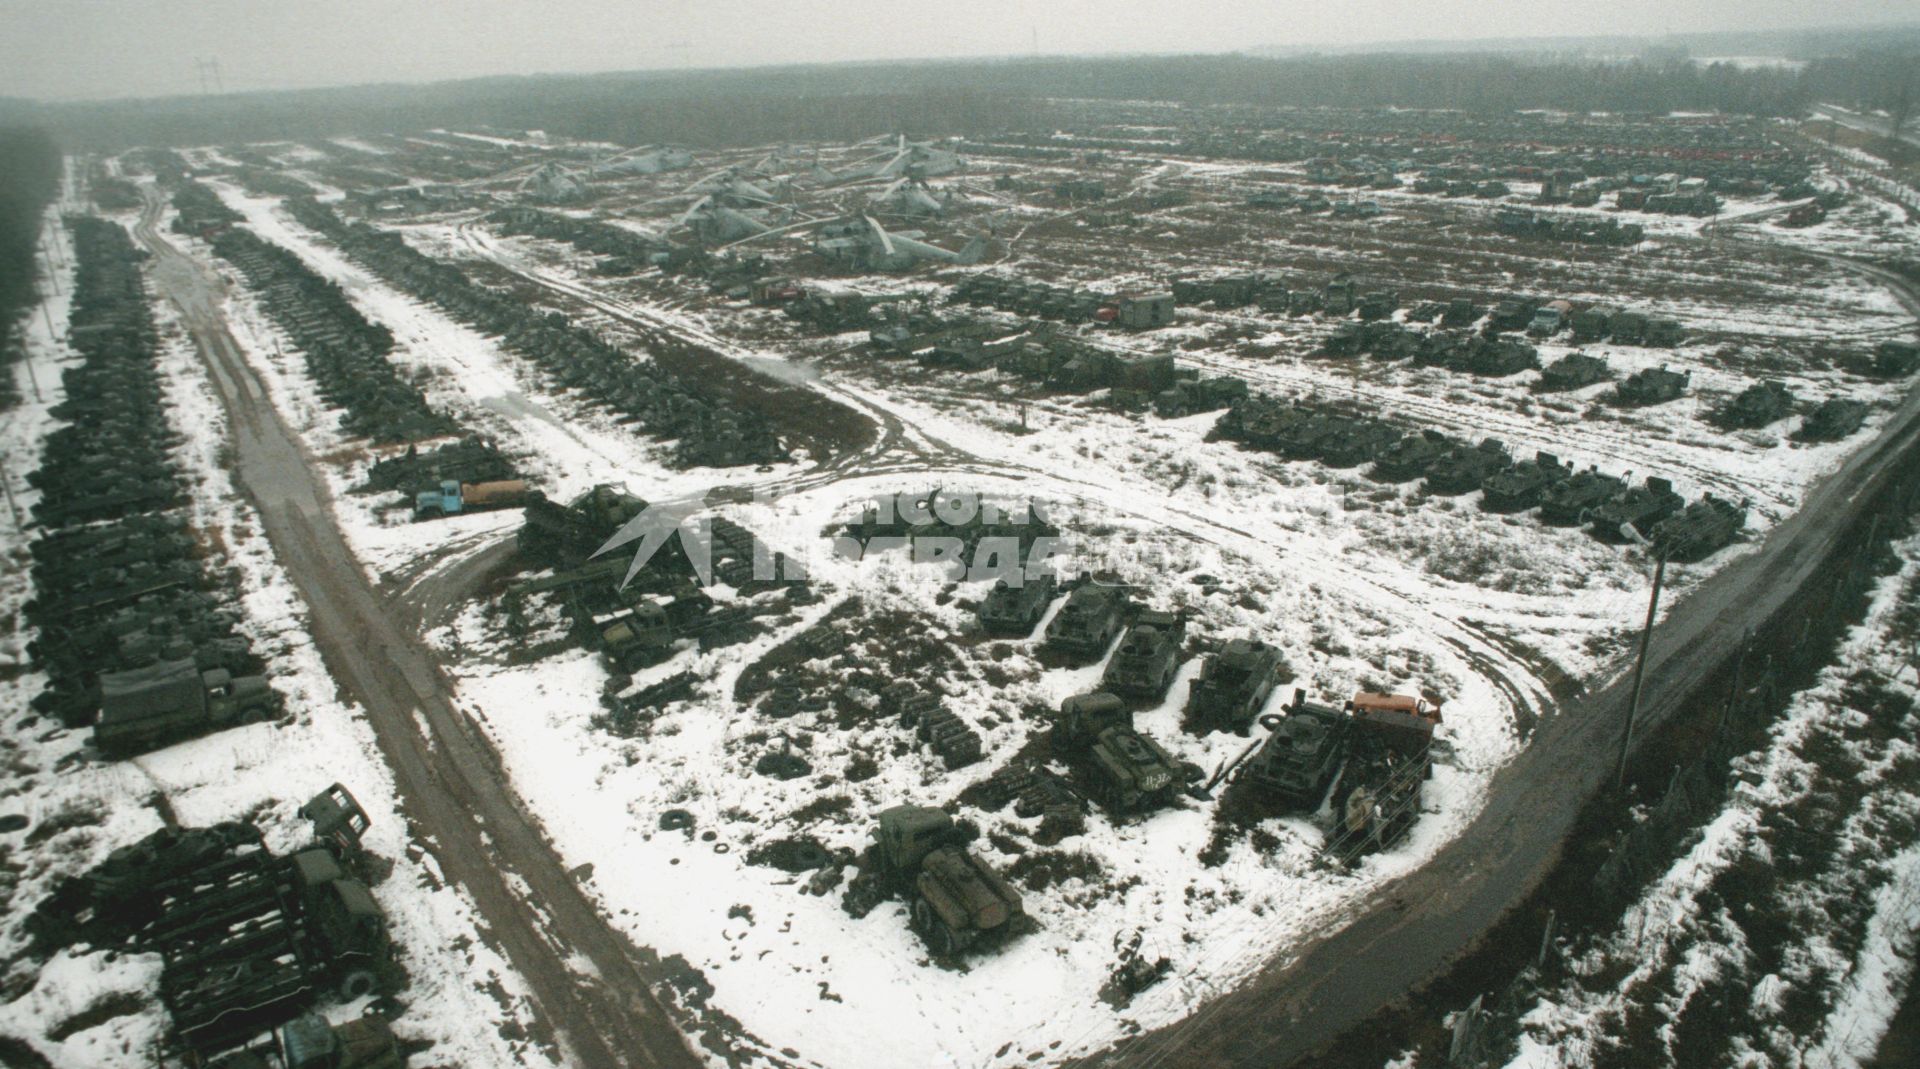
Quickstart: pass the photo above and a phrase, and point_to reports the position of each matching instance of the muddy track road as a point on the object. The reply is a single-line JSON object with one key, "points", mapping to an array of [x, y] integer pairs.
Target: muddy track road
{"points": [[450, 780]]}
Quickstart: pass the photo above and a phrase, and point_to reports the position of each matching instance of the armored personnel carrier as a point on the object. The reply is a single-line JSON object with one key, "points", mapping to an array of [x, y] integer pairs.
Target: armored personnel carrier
{"points": [[1148, 656], [1496, 358], [1088, 622], [1298, 762], [1572, 372], [1016, 608], [1463, 469], [954, 901], [1411, 457], [1567, 504], [1344, 341], [1360, 442], [1524, 485], [1756, 406], [1639, 508], [1832, 420], [1896, 359], [1234, 686], [1699, 531], [1651, 386], [1130, 773]]}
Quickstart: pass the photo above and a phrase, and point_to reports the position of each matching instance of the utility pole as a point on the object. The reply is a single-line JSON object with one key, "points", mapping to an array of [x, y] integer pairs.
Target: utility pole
{"points": [[6, 485], [1640, 666]]}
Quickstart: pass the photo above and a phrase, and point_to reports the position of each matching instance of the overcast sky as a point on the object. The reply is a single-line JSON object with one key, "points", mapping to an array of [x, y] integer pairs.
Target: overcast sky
{"points": [[66, 49]]}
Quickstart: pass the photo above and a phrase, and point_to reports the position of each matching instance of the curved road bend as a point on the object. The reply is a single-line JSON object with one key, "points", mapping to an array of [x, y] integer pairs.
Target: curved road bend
{"points": [[1407, 932], [450, 780]]}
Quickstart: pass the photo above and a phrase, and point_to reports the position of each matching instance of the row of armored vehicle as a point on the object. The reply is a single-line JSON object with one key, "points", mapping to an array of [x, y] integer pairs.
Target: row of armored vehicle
{"points": [[1450, 467], [121, 594], [1048, 300], [347, 356], [708, 430]]}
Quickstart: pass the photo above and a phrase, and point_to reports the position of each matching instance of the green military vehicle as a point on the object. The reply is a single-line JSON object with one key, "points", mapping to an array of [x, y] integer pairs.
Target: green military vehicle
{"points": [[1572, 372], [1464, 468], [1591, 324], [1650, 386], [1016, 608], [143, 709], [1088, 622], [1297, 764], [1699, 531], [1524, 485], [954, 901], [1148, 657], [1832, 420], [309, 1042], [1412, 456], [1756, 406], [1896, 359], [1357, 442], [1635, 511], [1130, 773], [1083, 717], [1568, 504], [1234, 686]]}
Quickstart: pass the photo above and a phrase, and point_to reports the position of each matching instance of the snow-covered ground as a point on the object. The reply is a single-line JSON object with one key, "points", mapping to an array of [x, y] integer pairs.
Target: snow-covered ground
{"points": [[464, 1004], [1361, 585], [1786, 934]]}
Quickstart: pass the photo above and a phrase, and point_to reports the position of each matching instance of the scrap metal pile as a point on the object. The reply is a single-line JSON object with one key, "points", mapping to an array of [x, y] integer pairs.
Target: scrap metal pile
{"points": [[249, 942], [126, 612]]}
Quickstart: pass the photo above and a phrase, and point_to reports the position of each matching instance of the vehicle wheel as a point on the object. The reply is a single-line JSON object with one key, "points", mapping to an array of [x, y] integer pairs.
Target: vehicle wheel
{"points": [[358, 983], [922, 918], [255, 714], [941, 939]]}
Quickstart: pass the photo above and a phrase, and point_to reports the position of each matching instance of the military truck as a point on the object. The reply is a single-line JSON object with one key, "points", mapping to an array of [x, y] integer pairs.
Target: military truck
{"points": [[1572, 372], [1083, 717], [309, 1042], [1591, 324], [1389, 759], [1628, 328], [1016, 608], [1756, 406], [1832, 420], [143, 709], [1088, 622], [954, 901], [1148, 656], [1550, 319], [1513, 313], [1499, 357], [1298, 762], [1699, 531], [1523, 485], [247, 941], [1233, 687], [1639, 508], [1664, 333], [1650, 386], [453, 498], [1568, 504], [1188, 396]]}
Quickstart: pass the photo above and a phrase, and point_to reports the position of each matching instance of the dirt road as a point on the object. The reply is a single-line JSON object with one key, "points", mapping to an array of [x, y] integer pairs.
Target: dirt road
{"points": [[450, 780]]}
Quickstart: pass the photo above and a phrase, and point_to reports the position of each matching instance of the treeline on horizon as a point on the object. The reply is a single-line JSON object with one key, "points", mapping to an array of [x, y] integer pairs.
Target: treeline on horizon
{"points": [[29, 178], [739, 107]]}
